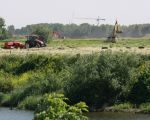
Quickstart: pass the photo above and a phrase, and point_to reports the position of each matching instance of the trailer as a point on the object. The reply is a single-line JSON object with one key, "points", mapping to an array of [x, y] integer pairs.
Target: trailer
{"points": [[13, 44]]}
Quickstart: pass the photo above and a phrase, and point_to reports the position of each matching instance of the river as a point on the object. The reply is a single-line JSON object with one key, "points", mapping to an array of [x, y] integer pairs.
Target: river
{"points": [[7, 114]]}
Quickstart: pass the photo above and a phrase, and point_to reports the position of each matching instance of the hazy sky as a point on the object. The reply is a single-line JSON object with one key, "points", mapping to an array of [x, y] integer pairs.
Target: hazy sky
{"points": [[23, 12]]}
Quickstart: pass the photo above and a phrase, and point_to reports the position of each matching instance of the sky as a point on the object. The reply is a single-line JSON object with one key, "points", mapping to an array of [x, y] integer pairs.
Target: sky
{"points": [[24, 12]]}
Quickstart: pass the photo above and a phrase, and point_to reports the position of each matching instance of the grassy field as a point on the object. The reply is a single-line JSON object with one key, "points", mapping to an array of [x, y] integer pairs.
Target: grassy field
{"points": [[100, 42], [136, 42], [84, 46]]}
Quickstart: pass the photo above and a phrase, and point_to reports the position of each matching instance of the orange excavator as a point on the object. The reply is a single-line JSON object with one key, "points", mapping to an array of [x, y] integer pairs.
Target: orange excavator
{"points": [[116, 30]]}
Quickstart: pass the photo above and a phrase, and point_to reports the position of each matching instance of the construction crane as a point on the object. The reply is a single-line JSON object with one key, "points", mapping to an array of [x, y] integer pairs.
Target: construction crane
{"points": [[116, 30], [98, 19]]}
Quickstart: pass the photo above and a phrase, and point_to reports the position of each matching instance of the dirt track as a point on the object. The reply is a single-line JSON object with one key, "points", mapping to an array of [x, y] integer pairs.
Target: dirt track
{"points": [[68, 50]]}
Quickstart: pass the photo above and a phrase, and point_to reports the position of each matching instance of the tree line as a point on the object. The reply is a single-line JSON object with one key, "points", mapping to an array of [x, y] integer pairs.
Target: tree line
{"points": [[3, 31], [86, 30]]}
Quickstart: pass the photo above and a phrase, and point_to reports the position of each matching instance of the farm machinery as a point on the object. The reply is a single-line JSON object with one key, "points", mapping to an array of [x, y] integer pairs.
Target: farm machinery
{"points": [[13, 44], [116, 30], [32, 41], [35, 41]]}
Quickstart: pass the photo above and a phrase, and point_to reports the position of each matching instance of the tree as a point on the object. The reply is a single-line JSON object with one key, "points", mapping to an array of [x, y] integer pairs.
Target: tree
{"points": [[11, 29], [3, 31], [2, 23], [43, 31]]}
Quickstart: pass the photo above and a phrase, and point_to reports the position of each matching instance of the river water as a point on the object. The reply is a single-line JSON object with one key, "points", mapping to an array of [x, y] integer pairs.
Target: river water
{"points": [[7, 114]]}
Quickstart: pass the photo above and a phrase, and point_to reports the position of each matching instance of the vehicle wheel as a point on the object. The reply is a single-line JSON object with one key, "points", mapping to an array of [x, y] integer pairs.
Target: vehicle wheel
{"points": [[44, 45], [26, 45], [38, 45]]}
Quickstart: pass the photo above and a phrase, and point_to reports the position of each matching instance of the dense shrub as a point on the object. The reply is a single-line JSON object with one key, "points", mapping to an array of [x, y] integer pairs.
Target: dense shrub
{"points": [[83, 85], [140, 92], [54, 107], [108, 78], [5, 99], [145, 107], [120, 70], [122, 106], [1, 97], [30, 102], [6, 84]]}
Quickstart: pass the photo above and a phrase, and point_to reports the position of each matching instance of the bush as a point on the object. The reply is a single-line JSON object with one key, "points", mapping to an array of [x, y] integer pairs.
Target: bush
{"points": [[119, 69], [30, 102], [104, 79], [54, 107], [145, 107], [6, 82], [122, 106], [5, 100], [96, 79], [1, 97], [140, 92], [84, 84]]}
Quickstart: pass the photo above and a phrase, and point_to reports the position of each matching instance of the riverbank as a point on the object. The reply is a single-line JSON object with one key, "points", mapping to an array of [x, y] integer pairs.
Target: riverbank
{"points": [[117, 116], [133, 110], [143, 108], [94, 78]]}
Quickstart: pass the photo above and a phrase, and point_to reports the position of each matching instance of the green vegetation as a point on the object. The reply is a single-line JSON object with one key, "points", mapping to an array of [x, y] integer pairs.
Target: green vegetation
{"points": [[76, 43], [30, 102], [4, 34], [86, 30], [126, 107], [145, 107], [43, 31], [97, 79], [89, 42], [123, 106], [100, 42], [53, 106]]}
